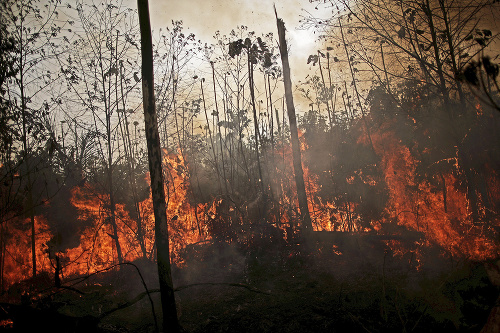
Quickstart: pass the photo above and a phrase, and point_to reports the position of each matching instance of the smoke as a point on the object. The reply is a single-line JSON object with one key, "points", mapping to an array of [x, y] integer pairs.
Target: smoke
{"points": [[204, 18], [62, 218]]}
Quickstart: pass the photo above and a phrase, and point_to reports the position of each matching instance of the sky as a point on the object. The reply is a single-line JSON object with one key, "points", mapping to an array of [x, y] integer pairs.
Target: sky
{"points": [[205, 17]]}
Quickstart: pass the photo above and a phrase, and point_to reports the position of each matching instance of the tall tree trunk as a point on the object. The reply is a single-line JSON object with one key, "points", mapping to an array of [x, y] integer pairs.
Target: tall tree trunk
{"points": [[224, 178], [297, 160], [255, 120], [170, 321], [108, 111]]}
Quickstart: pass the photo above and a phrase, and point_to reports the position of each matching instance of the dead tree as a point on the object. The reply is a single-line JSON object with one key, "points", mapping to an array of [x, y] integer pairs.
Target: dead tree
{"points": [[297, 160], [170, 321]]}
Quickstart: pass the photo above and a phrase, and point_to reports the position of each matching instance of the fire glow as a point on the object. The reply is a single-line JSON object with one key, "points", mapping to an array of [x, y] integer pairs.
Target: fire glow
{"points": [[442, 216]]}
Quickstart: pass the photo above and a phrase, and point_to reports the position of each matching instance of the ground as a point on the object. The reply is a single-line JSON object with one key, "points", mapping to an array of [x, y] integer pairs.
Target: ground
{"points": [[279, 289]]}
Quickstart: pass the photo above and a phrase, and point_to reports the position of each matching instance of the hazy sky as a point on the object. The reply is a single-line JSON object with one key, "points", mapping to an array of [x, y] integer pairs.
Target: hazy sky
{"points": [[205, 17]]}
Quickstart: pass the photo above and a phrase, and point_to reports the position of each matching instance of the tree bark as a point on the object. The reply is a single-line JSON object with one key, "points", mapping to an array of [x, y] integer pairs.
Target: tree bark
{"points": [[170, 321], [297, 160]]}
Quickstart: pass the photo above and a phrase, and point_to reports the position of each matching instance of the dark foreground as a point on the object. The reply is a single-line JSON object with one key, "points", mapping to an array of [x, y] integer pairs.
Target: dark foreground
{"points": [[220, 289]]}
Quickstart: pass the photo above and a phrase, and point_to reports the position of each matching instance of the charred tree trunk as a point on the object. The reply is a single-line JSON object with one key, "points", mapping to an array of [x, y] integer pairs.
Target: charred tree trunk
{"points": [[297, 160], [254, 112], [170, 321]]}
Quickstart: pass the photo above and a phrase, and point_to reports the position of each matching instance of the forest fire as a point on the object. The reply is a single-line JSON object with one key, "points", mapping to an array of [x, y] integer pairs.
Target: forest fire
{"points": [[419, 213], [187, 220], [364, 198], [440, 212]]}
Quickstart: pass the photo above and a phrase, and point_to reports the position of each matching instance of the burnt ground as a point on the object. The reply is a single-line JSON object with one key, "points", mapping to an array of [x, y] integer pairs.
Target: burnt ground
{"points": [[275, 289]]}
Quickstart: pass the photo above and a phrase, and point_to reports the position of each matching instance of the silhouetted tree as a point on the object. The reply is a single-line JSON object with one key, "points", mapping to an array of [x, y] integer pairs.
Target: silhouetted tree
{"points": [[32, 29], [305, 218], [170, 321]]}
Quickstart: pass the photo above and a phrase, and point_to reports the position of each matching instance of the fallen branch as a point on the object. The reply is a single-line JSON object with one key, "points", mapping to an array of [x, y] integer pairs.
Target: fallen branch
{"points": [[141, 295]]}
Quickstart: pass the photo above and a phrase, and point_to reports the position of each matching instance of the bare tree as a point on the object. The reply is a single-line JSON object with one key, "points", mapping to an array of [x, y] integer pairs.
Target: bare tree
{"points": [[100, 84], [297, 160], [32, 30], [428, 44]]}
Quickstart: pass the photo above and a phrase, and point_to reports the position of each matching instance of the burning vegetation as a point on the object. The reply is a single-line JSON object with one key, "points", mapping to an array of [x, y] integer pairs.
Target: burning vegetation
{"points": [[401, 178]]}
